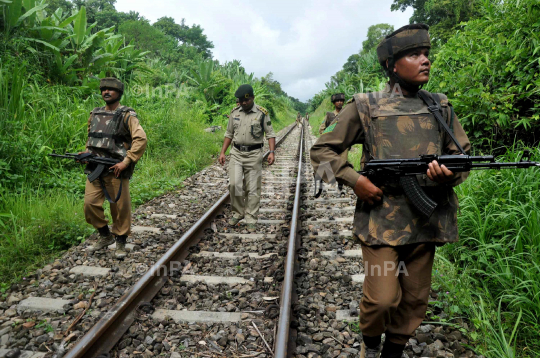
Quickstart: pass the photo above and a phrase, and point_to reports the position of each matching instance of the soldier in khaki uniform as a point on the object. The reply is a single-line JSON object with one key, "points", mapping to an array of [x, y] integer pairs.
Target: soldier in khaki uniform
{"points": [[114, 131], [398, 243], [248, 123]]}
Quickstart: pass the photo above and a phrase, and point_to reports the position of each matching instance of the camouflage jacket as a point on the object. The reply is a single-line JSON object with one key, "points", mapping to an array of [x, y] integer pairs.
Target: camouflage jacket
{"points": [[124, 140], [392, 126], [328, 119]]}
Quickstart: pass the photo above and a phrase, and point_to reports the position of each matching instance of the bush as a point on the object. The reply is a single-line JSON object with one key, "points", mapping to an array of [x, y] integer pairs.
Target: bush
{"points": [[490, 72]]}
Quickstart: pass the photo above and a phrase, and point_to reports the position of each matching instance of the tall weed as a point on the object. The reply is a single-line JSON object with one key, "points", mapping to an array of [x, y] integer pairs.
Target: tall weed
{"points": [[499, 253]]}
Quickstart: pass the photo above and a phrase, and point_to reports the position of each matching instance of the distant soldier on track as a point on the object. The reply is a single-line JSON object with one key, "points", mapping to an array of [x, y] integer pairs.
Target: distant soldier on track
{"points": [[398, 242], [248, 123], [114, 131], [337, 100]]}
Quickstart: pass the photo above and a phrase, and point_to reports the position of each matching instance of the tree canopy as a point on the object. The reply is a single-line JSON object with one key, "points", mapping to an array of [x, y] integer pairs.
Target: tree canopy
{"points": [[374, 35], [184, 34], [442, 15]]}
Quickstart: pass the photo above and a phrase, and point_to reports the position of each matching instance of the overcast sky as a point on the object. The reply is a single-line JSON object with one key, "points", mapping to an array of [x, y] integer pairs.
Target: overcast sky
{"points": [[303, 43]]}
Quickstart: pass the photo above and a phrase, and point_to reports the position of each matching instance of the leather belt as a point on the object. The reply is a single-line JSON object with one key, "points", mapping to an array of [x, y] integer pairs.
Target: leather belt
{"points": [[247, 148]]}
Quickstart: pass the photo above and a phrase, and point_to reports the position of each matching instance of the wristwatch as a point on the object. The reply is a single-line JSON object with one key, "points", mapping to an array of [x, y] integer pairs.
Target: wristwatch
{"points": [[272, 151]]}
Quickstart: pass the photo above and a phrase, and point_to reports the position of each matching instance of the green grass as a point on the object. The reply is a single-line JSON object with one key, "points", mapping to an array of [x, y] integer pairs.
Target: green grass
{"points": [[493, 273], [34, 227]]}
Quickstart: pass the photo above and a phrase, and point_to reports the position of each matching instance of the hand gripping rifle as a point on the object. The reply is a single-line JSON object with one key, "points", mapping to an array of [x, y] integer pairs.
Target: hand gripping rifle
{"points": [[102, 167], [405, 171]]}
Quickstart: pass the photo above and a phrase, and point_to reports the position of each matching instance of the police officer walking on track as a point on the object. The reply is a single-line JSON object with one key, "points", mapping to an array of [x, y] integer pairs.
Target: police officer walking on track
{"points": [[398, 242], [248, 123], [113, 132]]}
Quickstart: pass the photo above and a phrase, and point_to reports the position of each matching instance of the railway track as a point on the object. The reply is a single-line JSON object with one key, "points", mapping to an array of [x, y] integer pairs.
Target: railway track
{"points": [[195, 287]]}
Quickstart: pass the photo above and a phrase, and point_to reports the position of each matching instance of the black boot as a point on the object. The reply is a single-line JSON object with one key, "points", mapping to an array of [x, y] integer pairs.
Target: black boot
{"points": [[392, 350], [371, 347]]}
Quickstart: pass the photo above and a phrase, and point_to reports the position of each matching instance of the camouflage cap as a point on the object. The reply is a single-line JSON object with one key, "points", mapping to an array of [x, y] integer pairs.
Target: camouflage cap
{"points": [[111, 82], [403, 39], [244, 91], [338, 97]]}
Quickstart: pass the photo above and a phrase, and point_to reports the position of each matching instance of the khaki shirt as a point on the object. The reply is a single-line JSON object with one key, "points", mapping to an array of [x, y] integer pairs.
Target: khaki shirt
{"points": [[243, 125], [392, 221], [138, 136], [323, 126]]}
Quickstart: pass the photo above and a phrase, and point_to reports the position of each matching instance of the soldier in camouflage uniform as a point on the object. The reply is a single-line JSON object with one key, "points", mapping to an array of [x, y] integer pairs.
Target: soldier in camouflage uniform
{"points": [[113, 132], [337, 100], [398, 243], [248, 123]]}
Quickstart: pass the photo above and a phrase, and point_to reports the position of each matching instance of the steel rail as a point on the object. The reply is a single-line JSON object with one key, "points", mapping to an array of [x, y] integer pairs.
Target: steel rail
{"points": [[287, 291], [104, 335]]}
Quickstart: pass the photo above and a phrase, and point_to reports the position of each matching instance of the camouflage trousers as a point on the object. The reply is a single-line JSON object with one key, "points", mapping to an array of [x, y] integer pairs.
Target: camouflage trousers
{"points": [[245, 169], [120, 211], [396, 290]]}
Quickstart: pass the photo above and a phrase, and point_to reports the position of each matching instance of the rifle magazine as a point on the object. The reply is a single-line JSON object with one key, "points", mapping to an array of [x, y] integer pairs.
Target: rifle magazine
{"points": [[417, 196]]}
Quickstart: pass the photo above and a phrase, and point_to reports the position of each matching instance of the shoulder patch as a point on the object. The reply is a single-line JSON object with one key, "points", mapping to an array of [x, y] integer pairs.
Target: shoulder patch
{"points": [[330, 128], [262, 109], [235, 108]]}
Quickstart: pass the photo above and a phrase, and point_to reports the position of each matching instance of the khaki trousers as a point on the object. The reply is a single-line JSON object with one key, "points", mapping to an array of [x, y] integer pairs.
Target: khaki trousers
{"points": [[120, 212], [396, 289], [245, 169]]}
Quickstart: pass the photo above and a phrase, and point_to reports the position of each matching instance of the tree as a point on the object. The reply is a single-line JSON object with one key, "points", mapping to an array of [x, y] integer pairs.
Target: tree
{"points": [[186, 35], [109, 18], [94, 7], [375, 34], [351, 66], [272, 85], [169, 27], [442, 15], [66, 6], [148, 38]]}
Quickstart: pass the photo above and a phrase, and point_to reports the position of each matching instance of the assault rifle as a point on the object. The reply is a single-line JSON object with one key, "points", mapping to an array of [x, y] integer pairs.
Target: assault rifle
{"points": [[102, 166], [405, 170]]}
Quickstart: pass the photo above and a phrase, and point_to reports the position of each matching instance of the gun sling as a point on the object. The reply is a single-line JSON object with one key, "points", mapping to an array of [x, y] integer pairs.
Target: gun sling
{"points": [[106, 193], [435, 109]]}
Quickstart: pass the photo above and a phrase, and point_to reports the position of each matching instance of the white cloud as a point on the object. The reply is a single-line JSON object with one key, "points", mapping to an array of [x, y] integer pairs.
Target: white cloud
{"points": [[302, 43]]}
